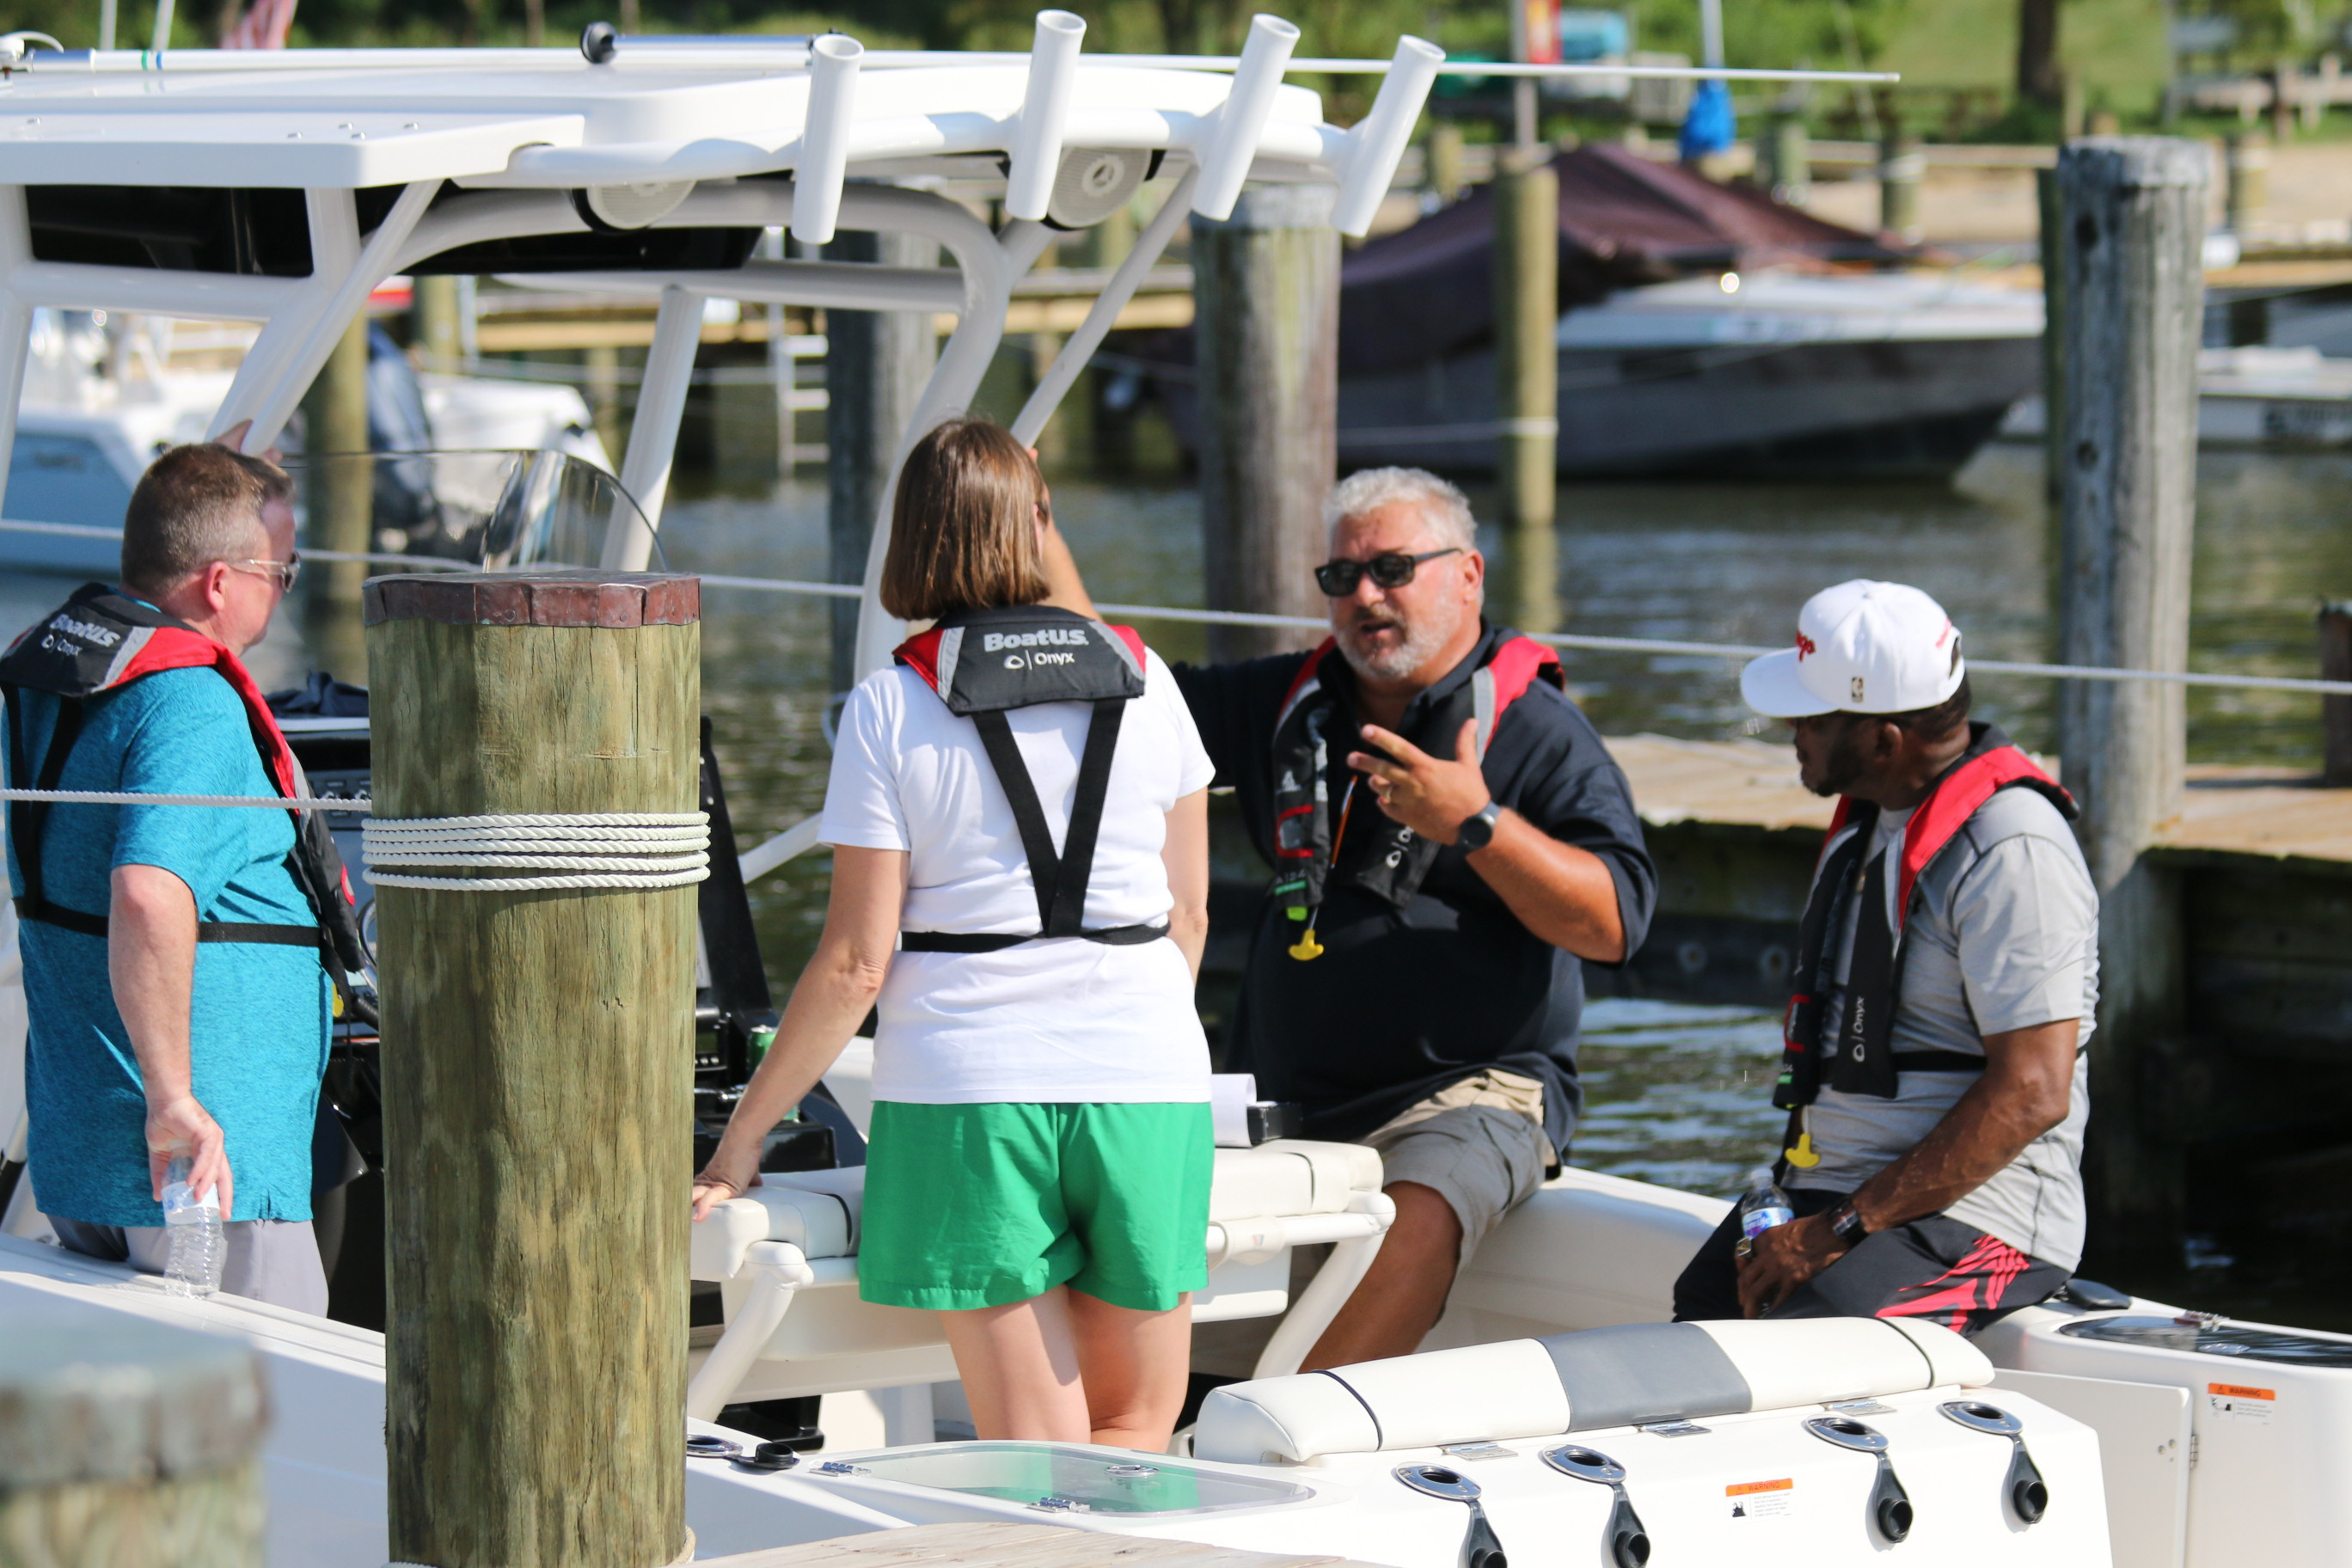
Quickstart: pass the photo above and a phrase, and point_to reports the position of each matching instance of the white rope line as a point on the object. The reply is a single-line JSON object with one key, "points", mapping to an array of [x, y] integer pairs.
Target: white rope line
{"points": [[640, 850], [1250, 618], [131, 797]]}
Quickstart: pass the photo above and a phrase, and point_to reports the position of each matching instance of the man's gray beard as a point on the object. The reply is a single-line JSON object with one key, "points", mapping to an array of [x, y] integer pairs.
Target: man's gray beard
{"points": [[1421, 644]]}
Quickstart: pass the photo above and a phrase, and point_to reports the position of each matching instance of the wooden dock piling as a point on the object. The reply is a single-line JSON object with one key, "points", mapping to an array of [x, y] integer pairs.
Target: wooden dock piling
{"points": [[341, 484], [2336, 712], [537, 1063], [1267, 283], [1901, 167], [129, 1444], [2053, 255], [1527, 362], [876, 365], [2135, 227]]}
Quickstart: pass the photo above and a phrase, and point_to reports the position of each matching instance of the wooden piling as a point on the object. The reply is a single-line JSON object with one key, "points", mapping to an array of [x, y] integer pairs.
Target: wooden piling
{"points": [[537, 1063], [1901, 167], [1445, 179], [1527, 365], [439, 335], [126, 1443], [1790, 172], [341, 481], [2336, 712], [2248, 158], [2134, 231], [876, 365], [1267, 286], [2052, 253]]}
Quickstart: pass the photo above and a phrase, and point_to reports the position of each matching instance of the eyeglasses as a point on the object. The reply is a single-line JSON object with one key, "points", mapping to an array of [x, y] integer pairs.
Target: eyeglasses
{"points": [[287, 571], [1390, 569]]}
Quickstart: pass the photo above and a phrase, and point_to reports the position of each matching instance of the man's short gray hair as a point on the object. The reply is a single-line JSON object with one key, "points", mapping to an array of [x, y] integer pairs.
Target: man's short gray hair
{"points": [[195, 505], [1446, 508]]}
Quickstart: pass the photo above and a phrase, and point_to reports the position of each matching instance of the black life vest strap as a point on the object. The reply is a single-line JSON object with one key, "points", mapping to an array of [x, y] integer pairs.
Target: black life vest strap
{"points": [[1060, 877], [1936, 1061], [32, 821], [997, 941]]}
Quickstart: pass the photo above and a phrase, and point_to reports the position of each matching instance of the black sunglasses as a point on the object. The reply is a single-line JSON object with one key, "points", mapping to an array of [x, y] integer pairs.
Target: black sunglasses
{"points": [[1392, 569]]}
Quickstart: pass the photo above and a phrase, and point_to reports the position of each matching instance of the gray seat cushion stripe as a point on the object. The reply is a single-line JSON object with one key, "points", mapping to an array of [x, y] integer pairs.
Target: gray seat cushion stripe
{"points": [[1640, 1372], [1379, 1439]]}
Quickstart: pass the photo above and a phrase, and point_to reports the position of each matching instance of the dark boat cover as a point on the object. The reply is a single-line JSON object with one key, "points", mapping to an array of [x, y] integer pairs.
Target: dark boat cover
{"points": [[1426, 292]]}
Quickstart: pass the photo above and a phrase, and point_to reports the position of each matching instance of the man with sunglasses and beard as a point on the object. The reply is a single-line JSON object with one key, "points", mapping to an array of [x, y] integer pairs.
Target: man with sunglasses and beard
{"points": [[1451, 844], [1947, 974], [178, 1002]]}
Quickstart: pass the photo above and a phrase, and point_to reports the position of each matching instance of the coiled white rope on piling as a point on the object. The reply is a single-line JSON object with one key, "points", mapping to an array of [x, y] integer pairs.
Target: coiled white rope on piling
{"points": [[639, 851]]}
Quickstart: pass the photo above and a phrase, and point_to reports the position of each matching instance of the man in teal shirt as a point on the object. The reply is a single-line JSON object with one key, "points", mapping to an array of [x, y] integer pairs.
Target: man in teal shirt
{"points": [[143, 1040]]}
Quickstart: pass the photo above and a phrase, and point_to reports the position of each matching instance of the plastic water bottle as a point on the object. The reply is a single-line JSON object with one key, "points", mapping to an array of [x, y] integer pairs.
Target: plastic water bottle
{"points": [[193, 1268], [1763, 1205]]}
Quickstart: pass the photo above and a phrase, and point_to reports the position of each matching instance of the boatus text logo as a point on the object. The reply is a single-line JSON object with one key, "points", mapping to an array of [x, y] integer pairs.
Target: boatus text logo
{"points": [[1043, 642], [62, 627]]}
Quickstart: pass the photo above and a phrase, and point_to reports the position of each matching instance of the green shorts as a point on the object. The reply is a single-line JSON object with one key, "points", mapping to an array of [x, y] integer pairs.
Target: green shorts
{"points": [[982, 1205]]}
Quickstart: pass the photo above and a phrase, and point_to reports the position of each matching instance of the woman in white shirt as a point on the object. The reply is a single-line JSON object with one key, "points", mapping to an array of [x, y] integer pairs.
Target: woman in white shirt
{"points": [[1038, 1172]]}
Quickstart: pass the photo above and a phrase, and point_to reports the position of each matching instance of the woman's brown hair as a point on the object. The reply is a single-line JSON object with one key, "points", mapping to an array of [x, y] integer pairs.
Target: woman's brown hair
{"points": [[963, 526]]}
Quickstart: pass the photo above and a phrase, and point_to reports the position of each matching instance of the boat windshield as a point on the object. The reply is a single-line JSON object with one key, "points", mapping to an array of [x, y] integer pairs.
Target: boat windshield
{"points": [[1046, 1476], [494, 510]]}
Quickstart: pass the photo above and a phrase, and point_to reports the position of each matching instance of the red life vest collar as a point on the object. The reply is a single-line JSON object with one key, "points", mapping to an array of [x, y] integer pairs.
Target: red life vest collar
{"points": [[1989, 766], [1306, 838]]}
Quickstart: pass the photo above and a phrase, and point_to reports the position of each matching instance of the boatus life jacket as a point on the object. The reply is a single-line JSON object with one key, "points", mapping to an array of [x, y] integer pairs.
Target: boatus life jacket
{"points": [[1303, 826], [100, 640], [1865, 1064], [985, 663]]}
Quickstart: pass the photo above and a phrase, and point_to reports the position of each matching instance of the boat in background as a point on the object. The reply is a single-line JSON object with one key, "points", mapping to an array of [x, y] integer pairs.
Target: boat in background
{"points": [[2263, 397], [1705, 329], [103, 397], [1775, 374]]}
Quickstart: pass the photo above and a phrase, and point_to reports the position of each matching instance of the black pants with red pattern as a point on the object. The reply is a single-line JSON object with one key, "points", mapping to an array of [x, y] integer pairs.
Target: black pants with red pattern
{"points": [[1935, 1269]]}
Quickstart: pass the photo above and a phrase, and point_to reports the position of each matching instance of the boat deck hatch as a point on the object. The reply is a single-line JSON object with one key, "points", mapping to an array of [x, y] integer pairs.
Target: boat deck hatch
{"points": [[1074, 1480], [2218, 1339]]}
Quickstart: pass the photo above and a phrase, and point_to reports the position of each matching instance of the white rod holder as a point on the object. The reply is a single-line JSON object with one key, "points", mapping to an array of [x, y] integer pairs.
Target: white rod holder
{"points": [[1377, 144], [1081, 344], [824, 138], [1038, 142], [1232, 144]]}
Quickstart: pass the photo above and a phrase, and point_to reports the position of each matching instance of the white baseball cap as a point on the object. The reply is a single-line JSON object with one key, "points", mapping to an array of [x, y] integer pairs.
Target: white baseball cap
{"points": [[1862, 647]]}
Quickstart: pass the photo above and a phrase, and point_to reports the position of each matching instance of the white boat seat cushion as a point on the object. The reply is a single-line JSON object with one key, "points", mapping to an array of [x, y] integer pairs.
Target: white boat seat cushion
{"points": [[820, 1211], [1630, 1375], [1290, 1176]]}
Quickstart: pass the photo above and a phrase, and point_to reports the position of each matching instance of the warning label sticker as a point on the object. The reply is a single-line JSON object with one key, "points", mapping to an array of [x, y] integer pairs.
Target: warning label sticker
{"points": [[2234, 1401], [1762, 1499]]}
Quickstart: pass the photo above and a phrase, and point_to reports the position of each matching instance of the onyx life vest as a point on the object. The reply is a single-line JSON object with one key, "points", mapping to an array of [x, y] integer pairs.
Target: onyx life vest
{"points": [[1865, 1062], [101, 640], [985, 663], [1304, 831]]}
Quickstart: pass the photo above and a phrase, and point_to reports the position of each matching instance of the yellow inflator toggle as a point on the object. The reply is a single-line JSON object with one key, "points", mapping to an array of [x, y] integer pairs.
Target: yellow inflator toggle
{"points": [[1802, 1156], [1306, 947]]}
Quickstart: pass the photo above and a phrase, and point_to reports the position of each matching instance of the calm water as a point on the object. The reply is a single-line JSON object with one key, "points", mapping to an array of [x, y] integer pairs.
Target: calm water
{"points": [[1677, 1093]]}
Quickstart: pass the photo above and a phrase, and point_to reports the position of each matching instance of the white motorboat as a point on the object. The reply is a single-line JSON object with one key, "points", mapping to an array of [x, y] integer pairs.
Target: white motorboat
{"points": [[1553, 1414], [1863, 375], [2260, 397], [101, 398]]}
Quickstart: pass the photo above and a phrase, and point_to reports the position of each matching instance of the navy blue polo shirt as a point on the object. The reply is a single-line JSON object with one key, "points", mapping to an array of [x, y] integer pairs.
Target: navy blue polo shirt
{"points": [[1405, 1001]]}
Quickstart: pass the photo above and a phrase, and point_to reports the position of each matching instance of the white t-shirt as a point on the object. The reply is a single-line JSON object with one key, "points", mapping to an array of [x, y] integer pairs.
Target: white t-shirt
{"points": [[1059, 1020]]}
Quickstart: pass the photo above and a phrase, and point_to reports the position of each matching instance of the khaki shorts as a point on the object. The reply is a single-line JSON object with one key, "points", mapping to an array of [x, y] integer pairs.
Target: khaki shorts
{"points": [[1479, 1144]]}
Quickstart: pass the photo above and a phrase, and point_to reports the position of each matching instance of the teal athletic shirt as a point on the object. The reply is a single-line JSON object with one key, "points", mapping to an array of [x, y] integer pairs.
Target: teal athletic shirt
{"points": [[260, 1016]]}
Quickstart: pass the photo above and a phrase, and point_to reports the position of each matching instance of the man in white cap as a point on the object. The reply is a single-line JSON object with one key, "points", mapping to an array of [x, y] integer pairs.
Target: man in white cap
{"points": [[1945, 983]]}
